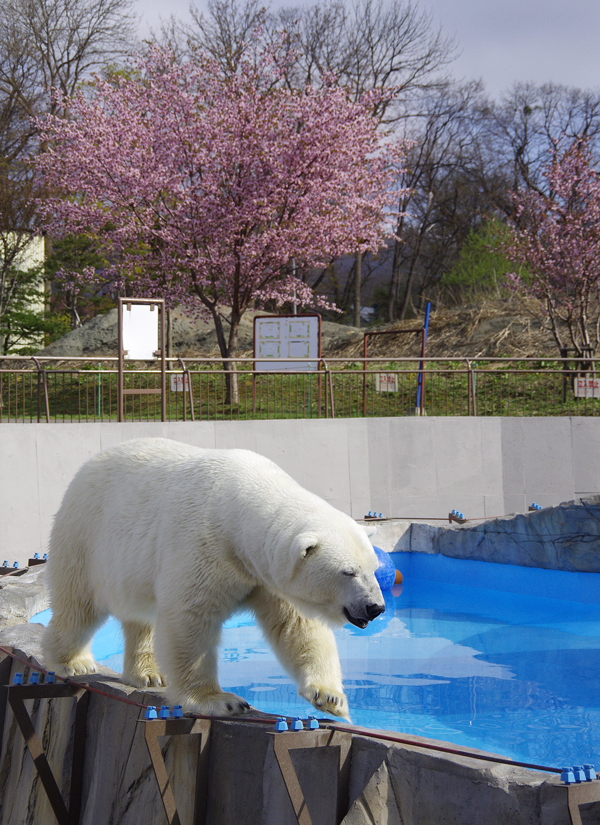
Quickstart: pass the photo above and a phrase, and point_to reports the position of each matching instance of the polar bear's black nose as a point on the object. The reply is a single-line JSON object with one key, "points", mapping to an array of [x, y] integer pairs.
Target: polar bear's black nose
{"points": [[374, 610]]}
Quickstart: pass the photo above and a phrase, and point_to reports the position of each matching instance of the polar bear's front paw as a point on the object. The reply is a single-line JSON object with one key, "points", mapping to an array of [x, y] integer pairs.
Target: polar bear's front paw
{"points": [[77, 666], [327, 700], [219, 704]]}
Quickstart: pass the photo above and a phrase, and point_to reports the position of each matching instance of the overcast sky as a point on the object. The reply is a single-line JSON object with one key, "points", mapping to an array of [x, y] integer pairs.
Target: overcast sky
{"points": [[500, 42]]}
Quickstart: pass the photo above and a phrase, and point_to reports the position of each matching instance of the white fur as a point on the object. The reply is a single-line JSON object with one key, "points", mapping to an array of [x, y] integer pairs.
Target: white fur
{"points": [[172, 539]]}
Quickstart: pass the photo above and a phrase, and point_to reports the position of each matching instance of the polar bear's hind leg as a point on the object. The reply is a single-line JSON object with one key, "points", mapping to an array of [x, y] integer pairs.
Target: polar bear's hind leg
{"points": [[187, 651], [66, 643]]}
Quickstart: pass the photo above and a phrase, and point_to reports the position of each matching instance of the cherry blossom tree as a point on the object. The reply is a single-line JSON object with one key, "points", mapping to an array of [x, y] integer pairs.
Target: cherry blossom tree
{"points": [[556, 241], [203, 186]]}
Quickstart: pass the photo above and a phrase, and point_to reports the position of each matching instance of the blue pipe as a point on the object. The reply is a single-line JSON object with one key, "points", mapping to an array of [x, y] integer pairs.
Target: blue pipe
{"points": [[421, 365]]}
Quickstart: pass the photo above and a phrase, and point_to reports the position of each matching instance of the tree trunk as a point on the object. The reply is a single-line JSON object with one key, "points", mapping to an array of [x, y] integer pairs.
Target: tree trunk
{"points": [[357, 287], [233, 390], [409, 285], [169, 336], [228, 348], [394, 283]]}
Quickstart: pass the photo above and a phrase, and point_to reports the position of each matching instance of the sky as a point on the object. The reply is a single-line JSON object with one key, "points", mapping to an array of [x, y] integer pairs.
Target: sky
{"points": [[499, 42]]}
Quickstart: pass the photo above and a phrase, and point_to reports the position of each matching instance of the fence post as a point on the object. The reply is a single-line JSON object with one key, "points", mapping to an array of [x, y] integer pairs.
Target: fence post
{"points": [[470, 394], [41, 380]]}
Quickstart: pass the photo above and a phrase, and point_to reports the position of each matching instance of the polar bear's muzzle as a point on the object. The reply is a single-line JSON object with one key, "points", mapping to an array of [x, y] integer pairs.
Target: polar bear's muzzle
{"points": [[371, 611]]}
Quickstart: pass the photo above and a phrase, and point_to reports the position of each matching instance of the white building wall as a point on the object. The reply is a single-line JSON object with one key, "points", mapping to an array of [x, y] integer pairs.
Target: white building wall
{"points": [[416, 468]]}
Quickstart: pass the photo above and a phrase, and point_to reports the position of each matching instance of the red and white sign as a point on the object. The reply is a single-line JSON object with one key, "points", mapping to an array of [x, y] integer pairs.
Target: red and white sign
{"points": [[179, 383], [586, 387], [386, 382]]}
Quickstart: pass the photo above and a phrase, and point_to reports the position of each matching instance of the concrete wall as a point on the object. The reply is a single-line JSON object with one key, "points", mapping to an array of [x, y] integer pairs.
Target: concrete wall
{"points": [[416, 468]]}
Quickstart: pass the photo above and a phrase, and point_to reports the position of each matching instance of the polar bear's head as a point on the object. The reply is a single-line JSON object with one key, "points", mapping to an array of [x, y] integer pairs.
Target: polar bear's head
{"points": [[330, 574]]}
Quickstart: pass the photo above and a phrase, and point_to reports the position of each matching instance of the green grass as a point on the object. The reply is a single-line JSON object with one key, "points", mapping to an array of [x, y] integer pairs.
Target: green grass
{"points": [[516, 389]]}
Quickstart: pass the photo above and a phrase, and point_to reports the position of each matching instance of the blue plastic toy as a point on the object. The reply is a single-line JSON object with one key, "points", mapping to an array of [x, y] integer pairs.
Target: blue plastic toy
{"points": [[150, 712], [386, 572], [177, 711]]}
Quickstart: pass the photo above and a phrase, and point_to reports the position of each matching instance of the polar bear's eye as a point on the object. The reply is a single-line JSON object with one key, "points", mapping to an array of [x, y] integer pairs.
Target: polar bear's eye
{"points": [[310, 550], [351, 573]]}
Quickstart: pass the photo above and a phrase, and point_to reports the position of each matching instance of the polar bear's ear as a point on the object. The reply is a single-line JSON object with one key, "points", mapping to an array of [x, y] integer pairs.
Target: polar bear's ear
{"points": [[369, 529], [305, 544]]}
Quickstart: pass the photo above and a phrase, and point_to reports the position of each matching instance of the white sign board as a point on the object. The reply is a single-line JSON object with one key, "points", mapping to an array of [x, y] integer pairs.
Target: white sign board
{"points": [[140, 331], [586, 387], [289, 336], [179, 383], [386, 382]]}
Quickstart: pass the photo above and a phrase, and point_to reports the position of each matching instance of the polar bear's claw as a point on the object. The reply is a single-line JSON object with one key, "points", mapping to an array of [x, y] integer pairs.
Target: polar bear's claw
{"points": [[327, 700], [145, 679]]}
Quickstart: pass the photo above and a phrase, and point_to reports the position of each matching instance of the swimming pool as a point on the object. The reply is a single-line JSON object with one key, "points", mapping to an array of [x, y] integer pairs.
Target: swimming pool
{"points": [[490, 656]]}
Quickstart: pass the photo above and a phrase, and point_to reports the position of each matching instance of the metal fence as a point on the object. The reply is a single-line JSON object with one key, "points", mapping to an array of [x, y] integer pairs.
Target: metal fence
{"points": [[36, 389]]}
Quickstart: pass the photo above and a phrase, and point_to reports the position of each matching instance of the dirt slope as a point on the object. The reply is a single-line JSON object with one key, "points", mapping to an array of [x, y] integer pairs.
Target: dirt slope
{"points": [[492, 328]]}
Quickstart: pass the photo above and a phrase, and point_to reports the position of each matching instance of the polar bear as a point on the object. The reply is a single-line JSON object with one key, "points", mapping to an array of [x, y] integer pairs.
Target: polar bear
{"points": [[172, 539]]}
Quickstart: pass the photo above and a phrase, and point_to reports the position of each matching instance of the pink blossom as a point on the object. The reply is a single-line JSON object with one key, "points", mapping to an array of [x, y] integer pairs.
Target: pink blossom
{"points": [[556, 241], [204, 187]]}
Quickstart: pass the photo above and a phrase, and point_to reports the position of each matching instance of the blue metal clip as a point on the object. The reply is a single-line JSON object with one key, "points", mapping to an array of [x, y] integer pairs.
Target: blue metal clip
{"points": [[312, 723], [579, 774], [164, 712], [34, 679], [281, 724], [297, 724], [50, 677], [590, 773], [150, 712], [18, 679], [177, 711]]}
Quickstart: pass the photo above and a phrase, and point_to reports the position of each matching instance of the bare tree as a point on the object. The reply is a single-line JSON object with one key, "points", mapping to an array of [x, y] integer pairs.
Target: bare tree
{"points": [[225, 29], [60, 42], [528, 121], [44, 44], [445, 199], [388, 46]]}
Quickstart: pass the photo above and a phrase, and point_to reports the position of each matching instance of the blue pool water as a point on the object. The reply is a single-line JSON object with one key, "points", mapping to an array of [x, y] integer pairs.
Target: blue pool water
{"points": [[497, 657]]}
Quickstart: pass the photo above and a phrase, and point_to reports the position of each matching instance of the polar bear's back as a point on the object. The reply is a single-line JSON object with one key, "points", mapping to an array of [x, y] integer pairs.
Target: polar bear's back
{"points": [[136, 511]]}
